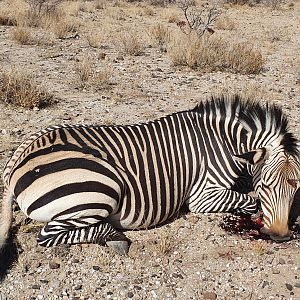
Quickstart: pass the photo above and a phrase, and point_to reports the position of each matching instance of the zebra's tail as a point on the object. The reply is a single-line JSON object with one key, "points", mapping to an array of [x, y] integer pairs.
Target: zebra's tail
{"points": [[5, 216]]}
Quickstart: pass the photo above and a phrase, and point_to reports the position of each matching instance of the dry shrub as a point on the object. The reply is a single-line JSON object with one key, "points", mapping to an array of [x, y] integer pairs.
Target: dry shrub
{"points": [[130, 43], [100, 4], [23, 36], [87, 76], [7, 18], [101, 79], [18, 88], [161, 35], [215, 53], [161, 2], [225, 23], [63, 27], [95, 39]]}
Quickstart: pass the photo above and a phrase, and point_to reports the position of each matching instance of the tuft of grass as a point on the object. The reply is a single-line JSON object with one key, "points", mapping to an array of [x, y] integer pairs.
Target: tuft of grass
{"points": [[225, 23], [94, 40], [215, 53], [19, 88], [83, 71], [63, 27], [261, 248], [87, 76], [131, 44], [161, 34], [165, 245], [23, 36]]}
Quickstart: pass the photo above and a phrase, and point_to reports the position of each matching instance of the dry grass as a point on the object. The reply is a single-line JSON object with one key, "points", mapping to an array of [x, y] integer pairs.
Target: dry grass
{"points": [[19, 88], [215, 53], [95, 40], [89, 77], [161, 35], [130, 43], [225, 23], [23, 36], [261, 248], [165, 244], [63, 28]]}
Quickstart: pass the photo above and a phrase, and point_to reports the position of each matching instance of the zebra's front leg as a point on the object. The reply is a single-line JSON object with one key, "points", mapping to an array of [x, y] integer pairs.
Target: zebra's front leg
{"points": [[223, 200], [74, 232]]}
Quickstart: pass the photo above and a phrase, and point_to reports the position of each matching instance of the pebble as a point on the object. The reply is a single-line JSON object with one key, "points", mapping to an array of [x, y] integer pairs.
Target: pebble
{"points": [[36, 286], [265, 283], [130, 294], [281, 261], [289, 286], [297, 285], [209, 296], [54, 265], [276, 271], [96, 268], [78, 287]]}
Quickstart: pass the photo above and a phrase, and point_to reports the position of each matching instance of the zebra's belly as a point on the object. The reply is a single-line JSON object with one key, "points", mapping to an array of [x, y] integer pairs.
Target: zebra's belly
{"points": [[70, 207]]}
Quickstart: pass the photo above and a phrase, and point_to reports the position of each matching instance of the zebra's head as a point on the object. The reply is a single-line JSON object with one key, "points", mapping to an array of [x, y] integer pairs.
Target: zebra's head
{"points": [[276, 179]]}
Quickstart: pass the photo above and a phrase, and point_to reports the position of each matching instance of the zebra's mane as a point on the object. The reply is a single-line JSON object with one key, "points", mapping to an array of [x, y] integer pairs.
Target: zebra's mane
{"points": [[252, 114]]}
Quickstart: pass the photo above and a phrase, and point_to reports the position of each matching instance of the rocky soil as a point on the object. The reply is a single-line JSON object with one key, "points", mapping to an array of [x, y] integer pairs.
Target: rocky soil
{"points": [[191, 257]]}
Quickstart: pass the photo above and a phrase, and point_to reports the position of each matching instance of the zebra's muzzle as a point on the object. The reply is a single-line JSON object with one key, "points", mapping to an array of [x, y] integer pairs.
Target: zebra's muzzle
{"points": [[286, 236]]}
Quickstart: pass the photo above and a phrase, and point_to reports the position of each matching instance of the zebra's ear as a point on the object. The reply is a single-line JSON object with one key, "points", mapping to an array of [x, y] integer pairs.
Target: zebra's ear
{"points": [[253, 157]]}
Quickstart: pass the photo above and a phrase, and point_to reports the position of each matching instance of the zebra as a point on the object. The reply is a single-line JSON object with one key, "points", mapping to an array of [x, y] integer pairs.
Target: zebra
{"points": [[90, 183]]}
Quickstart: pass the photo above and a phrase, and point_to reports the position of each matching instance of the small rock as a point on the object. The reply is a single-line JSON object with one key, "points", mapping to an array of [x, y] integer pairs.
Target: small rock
{"points": [[209, 296], [297, 285], [54, 265], [289, 286], [130, 294], [276, 271], [44, 281], [78, 287], [281, 261], [265, 283], [36, 286], [193, 219], [96, 268]]}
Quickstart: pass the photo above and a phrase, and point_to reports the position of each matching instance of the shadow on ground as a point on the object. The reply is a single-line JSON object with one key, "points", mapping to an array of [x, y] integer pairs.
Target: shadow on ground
{"points": [[8, 256]]}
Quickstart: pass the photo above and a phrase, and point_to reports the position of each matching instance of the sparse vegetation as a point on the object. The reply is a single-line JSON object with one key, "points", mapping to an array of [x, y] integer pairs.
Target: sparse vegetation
{"points": [[19, 88], [161, 35], [23, 35], [214, 53], [87, 76], [130, 43]]}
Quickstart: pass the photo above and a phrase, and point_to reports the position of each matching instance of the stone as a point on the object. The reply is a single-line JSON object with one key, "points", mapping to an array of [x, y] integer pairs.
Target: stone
{"points": [[281, 261], [54, 265], [130, 294], [209, 296], [36, 286], [297, 285], [289, 286]]}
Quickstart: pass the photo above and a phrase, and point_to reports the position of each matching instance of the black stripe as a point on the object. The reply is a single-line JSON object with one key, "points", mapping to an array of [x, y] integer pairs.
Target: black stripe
{"points": [[72, 188], [55, 148], [82, 207], [70, 163]]}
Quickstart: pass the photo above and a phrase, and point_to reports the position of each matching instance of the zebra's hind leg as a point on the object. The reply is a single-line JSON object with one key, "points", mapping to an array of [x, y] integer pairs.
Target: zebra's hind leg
{"points": [[72, 232]]}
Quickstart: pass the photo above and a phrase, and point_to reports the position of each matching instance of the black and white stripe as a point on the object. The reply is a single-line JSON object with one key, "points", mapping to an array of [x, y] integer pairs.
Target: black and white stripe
{"points": [[88, 181]]}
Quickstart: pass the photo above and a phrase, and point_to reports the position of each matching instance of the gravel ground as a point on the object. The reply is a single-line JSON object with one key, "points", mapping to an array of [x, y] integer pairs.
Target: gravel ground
{"points": [[191, 257]]}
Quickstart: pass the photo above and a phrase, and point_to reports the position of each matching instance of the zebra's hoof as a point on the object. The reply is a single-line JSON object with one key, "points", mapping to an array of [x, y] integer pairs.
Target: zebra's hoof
{"points": [[121, 247]]}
